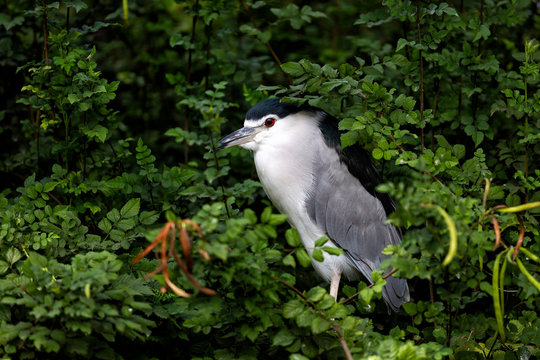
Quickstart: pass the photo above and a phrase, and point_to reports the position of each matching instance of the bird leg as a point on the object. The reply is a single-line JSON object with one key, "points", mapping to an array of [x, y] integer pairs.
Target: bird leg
{"points": [[334, 284]]}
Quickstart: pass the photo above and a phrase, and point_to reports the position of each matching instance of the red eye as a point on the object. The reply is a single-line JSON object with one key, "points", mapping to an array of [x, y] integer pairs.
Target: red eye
{"points": [[270, 122]]}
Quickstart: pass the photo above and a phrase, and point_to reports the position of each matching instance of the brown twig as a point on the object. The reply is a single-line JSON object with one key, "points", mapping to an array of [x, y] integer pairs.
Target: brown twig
{"points": [[342, 341], [268, 45], [298, 292], [395, 143], [54, 198]]}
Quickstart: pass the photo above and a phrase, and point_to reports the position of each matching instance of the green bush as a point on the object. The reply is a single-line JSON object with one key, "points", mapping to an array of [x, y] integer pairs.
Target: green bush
{"points": [[112, 108]]}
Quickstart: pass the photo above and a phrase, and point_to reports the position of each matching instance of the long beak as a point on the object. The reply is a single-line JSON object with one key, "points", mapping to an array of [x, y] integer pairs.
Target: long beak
{"points": [[239, 137]]}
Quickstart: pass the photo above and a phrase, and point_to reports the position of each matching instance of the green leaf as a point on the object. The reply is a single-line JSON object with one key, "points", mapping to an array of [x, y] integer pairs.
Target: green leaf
{"points": [[321, 241], [131, 208], [292, 68], [292, 237], [265, 216], [483, 32], [410, 308], [292, 309], [289, 260], [49, 186], [318, 255], [8, 22], [333, 250], [315, 294], [99, 132], [148, 217], [319, 325], [105, 225], [283, 338], [349, 138], [73, 98], [459, 151], [13, 255], [113, 215], [126, 224], [377, 154], [4, 266], [401, 44], [303, 258]]}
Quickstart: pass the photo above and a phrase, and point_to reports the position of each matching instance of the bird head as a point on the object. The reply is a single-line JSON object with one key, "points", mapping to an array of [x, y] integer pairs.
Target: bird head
{"points": [[268, 122]]}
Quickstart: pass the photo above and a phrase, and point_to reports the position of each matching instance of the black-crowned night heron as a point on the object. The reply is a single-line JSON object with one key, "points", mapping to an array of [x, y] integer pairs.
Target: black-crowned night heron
{"points": [[325, 190]]}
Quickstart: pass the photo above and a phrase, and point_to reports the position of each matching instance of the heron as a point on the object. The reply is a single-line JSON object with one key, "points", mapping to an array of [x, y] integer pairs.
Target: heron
{"points": [[324, 189]]}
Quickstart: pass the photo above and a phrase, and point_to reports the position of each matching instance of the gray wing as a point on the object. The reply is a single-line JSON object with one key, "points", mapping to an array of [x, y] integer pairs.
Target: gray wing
{"points": [[355, 220]]}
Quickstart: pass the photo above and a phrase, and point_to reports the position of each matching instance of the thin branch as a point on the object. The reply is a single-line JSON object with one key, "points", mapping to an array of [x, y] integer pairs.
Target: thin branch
{"points": [[395, 143], [54, 198], [335, 325], [342, 341], [268, 45]]}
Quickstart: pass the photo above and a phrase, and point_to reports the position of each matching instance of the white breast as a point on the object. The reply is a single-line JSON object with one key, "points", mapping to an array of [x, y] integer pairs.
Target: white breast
{"points": [[285, 166]]}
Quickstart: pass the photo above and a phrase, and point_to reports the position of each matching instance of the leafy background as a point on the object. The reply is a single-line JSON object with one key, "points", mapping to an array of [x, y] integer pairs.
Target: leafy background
{"points": [[109, 112]]}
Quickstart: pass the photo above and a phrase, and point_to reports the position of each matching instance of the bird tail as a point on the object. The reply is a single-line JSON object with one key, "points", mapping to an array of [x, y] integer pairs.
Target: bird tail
{"points": [[395, 292]]}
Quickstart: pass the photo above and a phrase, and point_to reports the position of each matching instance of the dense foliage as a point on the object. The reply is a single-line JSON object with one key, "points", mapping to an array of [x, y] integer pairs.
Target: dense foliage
{"points": [[109, 112]]}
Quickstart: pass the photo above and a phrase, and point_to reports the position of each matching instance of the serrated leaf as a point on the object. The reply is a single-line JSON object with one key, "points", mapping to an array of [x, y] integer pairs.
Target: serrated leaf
{"points": [[50, 186], [349, 138], [105, 225], [315, 294], [73, 98], [305, 318], [99, 132], [113, 215], [148, 217], [131, 208], [292, 309], [293, 68], [126, 224], [13, 255], [319, 325]]}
